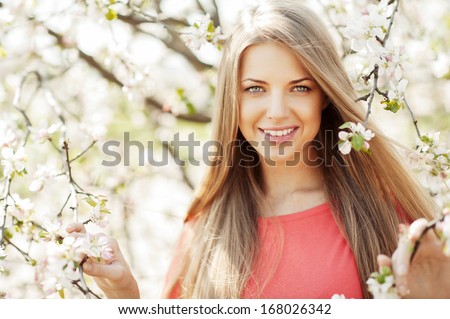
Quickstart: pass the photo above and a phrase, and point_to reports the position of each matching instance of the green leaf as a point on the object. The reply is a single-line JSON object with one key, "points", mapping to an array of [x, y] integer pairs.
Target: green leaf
{"points": [[2, 52], [180, 92], [345, 125], [393, 105], [211, 27], [8, 234], [111, 15], [190, 108], [90, 201], [367, 151], [43, 234], [426, 139], [61, 293], [357, 142]]}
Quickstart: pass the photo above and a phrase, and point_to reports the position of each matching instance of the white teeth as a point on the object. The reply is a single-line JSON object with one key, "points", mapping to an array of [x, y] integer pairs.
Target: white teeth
{"points": [[279, 133]]}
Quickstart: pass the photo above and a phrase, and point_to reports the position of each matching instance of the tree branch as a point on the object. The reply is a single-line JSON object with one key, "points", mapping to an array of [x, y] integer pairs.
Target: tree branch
{"points": [[182, 168], [413, 118], [173, 43]]}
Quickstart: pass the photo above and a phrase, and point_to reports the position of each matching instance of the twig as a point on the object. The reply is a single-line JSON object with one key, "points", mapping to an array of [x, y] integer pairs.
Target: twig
{"points": [[24, 254], [338, 29], [5, 195], [200, 6], [391, 22], [372, 94], [73, 191], [64, 205], [84, 151], [413, 118], [363, 98], [182, 167], [86, 291]]}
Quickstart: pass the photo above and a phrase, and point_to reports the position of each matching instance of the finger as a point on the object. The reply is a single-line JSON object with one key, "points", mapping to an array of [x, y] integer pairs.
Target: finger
{"points": [[109, 271], [417, 228], [400, 260], [402, 256], [383, 261], [75, 227]]}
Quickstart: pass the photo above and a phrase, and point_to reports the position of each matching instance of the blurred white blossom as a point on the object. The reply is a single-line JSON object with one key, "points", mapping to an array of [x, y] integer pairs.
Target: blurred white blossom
{"points": [[202, 31], [20, 208], [44, 133], [42, 175], [13, 161], [382, 284], [60, 267]]}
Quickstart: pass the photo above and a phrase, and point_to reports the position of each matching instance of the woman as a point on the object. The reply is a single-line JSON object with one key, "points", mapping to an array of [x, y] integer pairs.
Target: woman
{"points": [[281, 213]]}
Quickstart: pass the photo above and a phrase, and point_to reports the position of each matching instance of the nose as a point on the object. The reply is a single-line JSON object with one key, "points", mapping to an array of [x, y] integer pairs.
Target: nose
{"points": [[277, 109]]}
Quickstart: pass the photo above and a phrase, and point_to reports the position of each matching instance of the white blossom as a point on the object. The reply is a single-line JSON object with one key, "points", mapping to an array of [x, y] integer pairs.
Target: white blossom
{"points": [[13, 161], [20, 208], [44, 133], [60, 267], [431, 160], [393, 61], [41, 176], [366, 31], [201, 32], [357, 131], [100, 212], [383, 290]]}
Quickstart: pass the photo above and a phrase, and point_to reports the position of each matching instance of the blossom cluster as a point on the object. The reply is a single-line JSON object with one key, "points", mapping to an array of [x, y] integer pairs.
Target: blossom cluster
{"points": [[431, 160], [12, 156], [382, 284], [100, 212], [369, 36], [356, 137], [61, 266], [202, 31]]}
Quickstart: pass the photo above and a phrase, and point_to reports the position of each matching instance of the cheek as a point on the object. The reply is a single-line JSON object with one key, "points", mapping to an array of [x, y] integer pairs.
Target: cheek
{"points": [[248, 114]]}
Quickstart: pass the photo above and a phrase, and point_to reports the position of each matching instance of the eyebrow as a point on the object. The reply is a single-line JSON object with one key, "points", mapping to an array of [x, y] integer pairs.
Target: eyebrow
{"points": [[290, 82]]}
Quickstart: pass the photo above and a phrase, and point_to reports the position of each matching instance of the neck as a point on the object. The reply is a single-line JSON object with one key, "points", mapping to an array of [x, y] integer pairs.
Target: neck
{"points": [[290, 189]]}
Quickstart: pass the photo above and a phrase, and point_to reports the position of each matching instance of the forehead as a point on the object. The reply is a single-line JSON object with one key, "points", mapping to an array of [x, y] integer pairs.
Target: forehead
{"points": [[271, 60]]}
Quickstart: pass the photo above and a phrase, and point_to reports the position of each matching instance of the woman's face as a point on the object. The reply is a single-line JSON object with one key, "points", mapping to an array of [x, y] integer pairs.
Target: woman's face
{"points": [[280, 103]]}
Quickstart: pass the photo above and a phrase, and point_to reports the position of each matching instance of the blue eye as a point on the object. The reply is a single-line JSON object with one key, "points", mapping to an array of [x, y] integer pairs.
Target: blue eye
{"points": [[300, 88], [255, 89]]}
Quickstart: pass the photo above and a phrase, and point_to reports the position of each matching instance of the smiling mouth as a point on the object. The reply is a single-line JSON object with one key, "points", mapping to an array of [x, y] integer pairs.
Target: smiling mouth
{"points": [[279, 132], [279, 136]]}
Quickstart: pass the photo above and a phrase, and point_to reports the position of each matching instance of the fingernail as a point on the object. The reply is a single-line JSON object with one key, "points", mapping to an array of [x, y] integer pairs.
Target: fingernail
{"points": [[401, 270]]}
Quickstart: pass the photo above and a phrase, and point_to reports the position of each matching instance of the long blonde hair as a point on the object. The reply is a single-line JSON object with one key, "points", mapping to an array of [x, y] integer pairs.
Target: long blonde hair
{"points": [[365, 194]]}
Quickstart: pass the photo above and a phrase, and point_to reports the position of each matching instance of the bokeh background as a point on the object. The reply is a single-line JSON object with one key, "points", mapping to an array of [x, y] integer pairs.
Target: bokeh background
{"points": [[111, 67]]}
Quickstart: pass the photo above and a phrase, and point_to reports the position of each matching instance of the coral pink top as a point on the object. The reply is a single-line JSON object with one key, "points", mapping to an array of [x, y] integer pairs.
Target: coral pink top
{"points": [[302, 255], [314, 261]]}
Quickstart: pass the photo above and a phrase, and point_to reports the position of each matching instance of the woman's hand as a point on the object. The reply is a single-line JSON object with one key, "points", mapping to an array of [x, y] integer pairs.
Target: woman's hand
{"points": [[427, 275], [113, 276]]}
